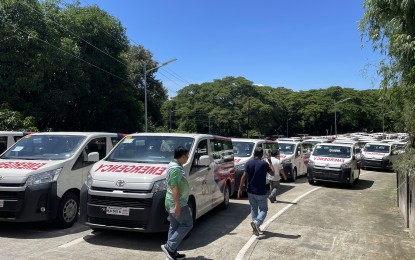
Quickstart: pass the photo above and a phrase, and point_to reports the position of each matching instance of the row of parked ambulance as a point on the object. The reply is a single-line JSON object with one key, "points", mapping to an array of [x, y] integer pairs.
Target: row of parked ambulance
{"points": [[115, 181]]}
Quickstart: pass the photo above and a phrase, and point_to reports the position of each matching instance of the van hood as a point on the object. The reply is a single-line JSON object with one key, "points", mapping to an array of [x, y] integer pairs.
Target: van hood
{"points": [[17, 171], [241, 160], [321, 161], [285, 156], [374, 155], [105, 171]]}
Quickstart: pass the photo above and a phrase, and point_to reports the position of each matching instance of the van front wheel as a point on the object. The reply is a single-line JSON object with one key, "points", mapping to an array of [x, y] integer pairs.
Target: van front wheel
{"points": [[67, 211], [226, 196]]}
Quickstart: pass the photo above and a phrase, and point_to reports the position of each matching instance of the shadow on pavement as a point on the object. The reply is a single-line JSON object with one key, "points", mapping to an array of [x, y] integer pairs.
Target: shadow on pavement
{"points": [[361, 185], [268, 234], [207, 229], [36, 230]]}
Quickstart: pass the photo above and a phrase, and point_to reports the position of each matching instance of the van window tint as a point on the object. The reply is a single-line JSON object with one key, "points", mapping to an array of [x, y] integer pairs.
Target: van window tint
{"points": [[148, 149], [243, 149], [115, 140], [222, 150], [332, 151], [3, 143], [377, 148], [286, 148], [202, 149]]}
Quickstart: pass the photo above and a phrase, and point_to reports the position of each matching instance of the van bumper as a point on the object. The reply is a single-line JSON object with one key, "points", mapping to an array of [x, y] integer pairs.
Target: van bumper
{"points": [[145, 215], [383, 164], [322, 174], [35, 203]]}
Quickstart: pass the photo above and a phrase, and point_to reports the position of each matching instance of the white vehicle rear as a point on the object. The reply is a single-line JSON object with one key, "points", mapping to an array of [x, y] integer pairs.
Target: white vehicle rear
{"points": [[42, 174]]}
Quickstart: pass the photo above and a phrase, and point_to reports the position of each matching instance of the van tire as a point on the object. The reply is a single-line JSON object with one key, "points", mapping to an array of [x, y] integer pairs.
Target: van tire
{"points": [[67, 210], [311, 182], [226, 196], [294, 176]]}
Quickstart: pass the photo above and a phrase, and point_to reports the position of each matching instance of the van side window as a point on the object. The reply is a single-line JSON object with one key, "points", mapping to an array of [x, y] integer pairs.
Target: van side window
{"points": [[222, 150], [115, 140], [298, 151], [202, 149], [95, 145]]}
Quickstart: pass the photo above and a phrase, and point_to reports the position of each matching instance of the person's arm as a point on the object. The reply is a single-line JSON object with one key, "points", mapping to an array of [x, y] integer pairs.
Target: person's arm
{"points": [[241, 184], [176, 197], [271, 169]]}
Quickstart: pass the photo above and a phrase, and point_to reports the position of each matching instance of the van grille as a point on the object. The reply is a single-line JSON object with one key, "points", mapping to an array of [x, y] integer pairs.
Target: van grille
{"points": [[11, 195], [123, 190], [120, 202]]}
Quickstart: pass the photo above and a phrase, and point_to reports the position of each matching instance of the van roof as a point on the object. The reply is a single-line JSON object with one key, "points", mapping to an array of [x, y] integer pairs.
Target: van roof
{"points": [[193, 135], [253, 140], [79, 133]]}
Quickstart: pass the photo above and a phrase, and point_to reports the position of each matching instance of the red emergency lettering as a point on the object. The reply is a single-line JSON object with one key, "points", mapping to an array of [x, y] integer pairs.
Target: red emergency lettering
{"points": [[102, 166], [129, 168], [144, 169]]}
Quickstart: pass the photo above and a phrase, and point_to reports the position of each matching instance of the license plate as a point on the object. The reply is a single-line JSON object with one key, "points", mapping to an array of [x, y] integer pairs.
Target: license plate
{"points": [[118, 211], [1, 203]]}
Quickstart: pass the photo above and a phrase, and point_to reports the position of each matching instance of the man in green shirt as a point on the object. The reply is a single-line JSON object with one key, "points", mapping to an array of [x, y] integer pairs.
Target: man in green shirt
{"points": [[177, 195]]}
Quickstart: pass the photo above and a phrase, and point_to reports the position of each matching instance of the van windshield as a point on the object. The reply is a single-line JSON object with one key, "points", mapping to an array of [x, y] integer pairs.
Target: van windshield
{"points": [[243, 149], [148, 149], [44, 147], [332, 151], [377, 148], [286, 148]]}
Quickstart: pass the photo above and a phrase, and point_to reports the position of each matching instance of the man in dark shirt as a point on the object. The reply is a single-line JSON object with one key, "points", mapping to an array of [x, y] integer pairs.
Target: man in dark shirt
{"points": [[256, 171]]}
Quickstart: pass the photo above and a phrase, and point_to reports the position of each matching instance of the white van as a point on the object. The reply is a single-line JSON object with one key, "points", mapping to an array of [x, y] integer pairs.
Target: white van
{"points": [[331, 162], [8, 138], [126, 190], [244, 151], [42, 174], [377, 155], [294, 158]]}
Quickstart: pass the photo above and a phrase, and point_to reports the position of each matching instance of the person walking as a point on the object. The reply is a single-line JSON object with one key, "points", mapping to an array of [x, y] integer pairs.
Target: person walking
{"points": [[177, 195], [274, 181], [256, 171]]}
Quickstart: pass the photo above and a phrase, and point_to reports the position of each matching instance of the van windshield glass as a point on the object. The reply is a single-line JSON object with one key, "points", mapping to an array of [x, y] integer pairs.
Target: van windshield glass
{"points": [[286, 148], [243, 149], [44, 147], [377, 148], [148, 149], [332, 151]]}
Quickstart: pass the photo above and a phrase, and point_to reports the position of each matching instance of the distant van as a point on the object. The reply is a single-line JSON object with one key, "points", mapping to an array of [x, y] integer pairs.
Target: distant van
{"points": [[7, 139], [41, 175], [294, 158], [244, 151], [126, 190]]}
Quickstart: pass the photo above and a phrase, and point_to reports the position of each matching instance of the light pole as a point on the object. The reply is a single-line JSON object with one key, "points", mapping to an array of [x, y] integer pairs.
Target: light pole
{"points": [[145, 87], [383, 122], [335, 115]]}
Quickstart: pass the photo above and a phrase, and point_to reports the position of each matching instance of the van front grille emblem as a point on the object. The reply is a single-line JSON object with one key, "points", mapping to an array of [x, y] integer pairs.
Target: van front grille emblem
{"points": [[120, 183]]}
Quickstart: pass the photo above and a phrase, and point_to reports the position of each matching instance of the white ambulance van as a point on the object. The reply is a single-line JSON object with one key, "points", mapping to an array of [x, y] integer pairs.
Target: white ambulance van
{"points": [[7, 139], [42, 174], [377, 155], [126, 190], [244, 151], [331, 162], [294, 158]]}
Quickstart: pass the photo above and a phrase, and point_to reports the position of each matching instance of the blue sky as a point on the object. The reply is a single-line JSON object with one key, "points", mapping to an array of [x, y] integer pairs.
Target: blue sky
{"points": [[297, 44]]}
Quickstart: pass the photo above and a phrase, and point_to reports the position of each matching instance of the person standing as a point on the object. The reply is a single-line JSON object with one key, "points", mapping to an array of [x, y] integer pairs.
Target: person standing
{"points": [[274, 181], [256, 171], [177, 195]]}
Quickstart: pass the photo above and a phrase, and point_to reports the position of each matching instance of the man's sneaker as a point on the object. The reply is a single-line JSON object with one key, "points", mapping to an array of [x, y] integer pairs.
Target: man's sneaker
{"points": [[169, 255], [180, 256], [271, 199], [255, 228]]}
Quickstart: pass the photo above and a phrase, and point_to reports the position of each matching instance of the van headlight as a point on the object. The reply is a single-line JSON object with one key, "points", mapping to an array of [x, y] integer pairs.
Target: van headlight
{"points": [[311, 163], [43, 177], [88, 181], [240, 167], [286, 161], [159, 186], [346, 166]]}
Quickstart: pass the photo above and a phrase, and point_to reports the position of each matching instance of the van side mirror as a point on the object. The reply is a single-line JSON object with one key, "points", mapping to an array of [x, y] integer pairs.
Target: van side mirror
{"points": [[93, 157], [204, 160]]}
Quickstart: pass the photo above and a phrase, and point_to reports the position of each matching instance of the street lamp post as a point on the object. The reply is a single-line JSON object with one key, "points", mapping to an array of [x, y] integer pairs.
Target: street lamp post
{"points": [[145, 87], [335, 115]]}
